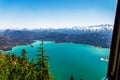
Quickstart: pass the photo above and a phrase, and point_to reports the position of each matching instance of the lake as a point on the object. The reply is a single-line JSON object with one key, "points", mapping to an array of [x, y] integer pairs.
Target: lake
{"points": [[66, 59]]}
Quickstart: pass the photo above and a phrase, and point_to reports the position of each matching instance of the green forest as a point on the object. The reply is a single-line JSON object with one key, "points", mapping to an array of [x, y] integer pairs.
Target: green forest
{"points": [[14, 67]]}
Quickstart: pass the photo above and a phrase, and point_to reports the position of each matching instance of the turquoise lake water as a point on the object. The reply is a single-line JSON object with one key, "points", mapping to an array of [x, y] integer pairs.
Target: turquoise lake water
{"points": [[66, 59]]}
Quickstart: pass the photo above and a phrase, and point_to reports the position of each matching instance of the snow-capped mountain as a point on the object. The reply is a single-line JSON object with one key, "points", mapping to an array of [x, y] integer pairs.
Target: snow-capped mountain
{"points": [[98, 35], [102, 27], [94, 28]]}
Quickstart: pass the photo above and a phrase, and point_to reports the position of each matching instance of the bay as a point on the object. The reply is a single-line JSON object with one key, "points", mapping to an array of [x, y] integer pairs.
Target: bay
{"points": [[66, 59]]}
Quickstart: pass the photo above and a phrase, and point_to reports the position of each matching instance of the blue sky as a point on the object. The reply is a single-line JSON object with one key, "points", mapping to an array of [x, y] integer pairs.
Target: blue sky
{"points": [[55, 13]]}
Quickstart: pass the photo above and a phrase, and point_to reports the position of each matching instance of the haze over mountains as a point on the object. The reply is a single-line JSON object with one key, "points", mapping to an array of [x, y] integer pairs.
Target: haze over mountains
{"points": [[98, 35]]}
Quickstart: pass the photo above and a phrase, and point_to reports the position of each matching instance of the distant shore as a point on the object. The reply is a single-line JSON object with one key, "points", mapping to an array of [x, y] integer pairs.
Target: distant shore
{"points": [[9, 46]]}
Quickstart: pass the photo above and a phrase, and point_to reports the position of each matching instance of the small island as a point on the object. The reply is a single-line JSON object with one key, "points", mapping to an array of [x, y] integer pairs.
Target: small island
{"points": [[104, 59]]}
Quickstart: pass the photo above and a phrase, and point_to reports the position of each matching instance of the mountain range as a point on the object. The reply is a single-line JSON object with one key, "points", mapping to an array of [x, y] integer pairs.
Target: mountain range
{"points": [[98, 35]]}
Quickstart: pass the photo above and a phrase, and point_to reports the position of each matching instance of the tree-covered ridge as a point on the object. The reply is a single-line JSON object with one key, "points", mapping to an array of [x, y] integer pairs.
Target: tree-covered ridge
{"points": [[99, 38], [14, 67]]}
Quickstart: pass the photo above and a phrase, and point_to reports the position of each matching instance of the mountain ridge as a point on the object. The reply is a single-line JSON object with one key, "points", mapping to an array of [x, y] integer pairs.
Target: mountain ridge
{"points": [[100, 37], [90, 28]]}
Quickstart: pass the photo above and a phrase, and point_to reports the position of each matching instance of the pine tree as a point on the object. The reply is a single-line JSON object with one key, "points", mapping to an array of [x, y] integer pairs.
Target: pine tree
{"points": [[71, 78], [42, 64], [25, 59], [24, 54]]}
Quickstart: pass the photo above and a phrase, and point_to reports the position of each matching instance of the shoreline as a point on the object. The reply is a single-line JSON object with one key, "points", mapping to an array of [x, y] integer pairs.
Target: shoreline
{"points": [[57, 43], [83, 44]]}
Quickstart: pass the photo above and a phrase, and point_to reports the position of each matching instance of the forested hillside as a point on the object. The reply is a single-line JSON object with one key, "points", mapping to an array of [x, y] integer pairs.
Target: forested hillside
{"points": [[20, 37], [14, 67]]}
